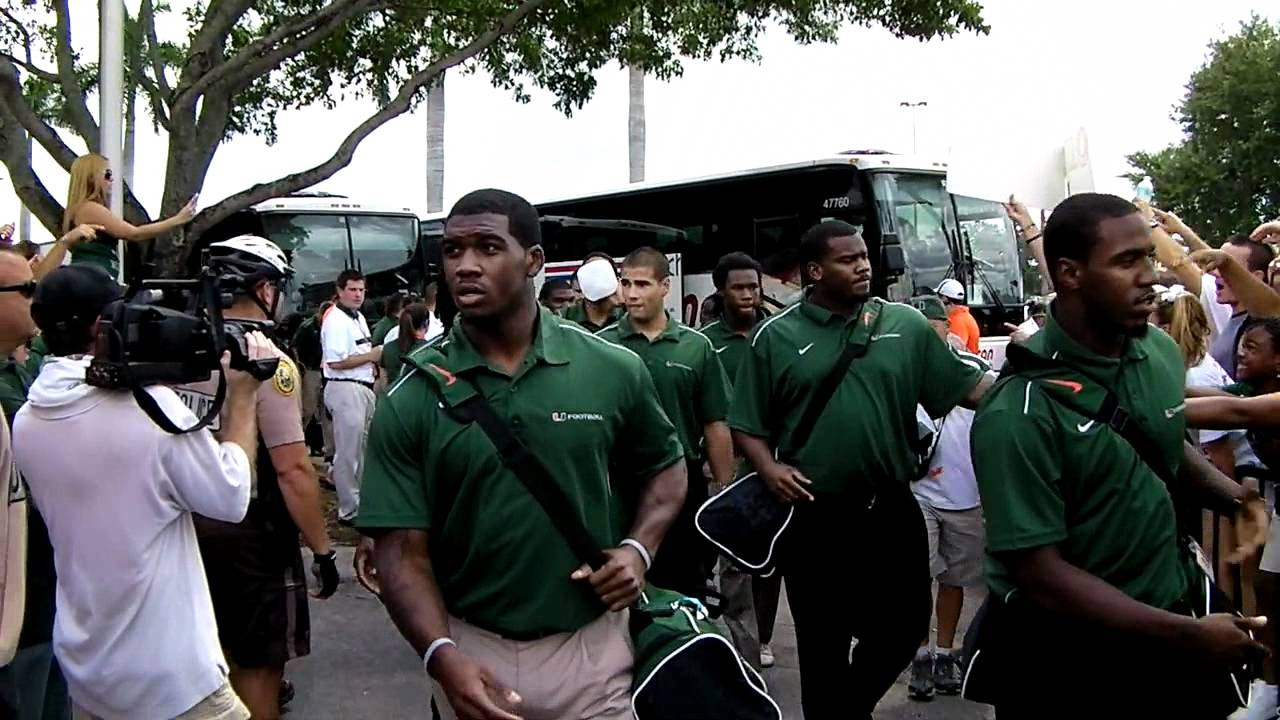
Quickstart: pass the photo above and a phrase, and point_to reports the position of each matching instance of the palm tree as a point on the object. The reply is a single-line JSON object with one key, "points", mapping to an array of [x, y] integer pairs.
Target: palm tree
{"points": [[435, 146], [635, 124]]}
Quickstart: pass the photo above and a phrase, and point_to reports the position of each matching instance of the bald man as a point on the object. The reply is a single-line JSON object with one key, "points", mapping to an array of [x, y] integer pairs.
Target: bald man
{"points": [[32, 678]]}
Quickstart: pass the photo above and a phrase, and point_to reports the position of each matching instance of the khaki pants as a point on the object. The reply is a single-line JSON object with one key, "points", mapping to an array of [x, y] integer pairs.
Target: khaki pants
{"points": [[740, 611], [584, 675], [312, 380], [351, 405], [223, 704]]}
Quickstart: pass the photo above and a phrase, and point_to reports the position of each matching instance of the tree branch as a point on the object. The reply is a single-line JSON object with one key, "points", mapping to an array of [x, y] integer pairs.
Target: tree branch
{"points": [[38, 72], [147, 18], [72, 93], [206, 49], [155, 96], [262, 54], [20, 111], [26, 184], [346, 150]]}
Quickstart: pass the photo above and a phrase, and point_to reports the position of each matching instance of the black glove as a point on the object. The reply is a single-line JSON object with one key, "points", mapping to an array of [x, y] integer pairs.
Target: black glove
{"points": [[325, 570]]}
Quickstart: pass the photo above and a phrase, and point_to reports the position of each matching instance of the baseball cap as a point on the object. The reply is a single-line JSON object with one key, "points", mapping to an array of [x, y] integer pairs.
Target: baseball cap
{"points": [[951, 289], [73, 296], [597, 279], [930, 306]]}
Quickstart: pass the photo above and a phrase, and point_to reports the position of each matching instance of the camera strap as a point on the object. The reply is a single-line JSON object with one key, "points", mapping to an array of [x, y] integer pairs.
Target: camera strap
{"points": [[157, 415]]}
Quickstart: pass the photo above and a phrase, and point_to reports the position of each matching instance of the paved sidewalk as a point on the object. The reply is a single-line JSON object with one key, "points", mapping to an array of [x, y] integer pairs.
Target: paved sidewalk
{"points": [[360, 668]]}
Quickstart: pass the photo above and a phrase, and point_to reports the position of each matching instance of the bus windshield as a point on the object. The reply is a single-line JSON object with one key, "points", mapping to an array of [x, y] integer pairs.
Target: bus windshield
{"points": [[997, 266], [320, 245], [914, 207]]}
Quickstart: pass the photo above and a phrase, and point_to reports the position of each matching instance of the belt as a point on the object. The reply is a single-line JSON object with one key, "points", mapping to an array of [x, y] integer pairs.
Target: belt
{"points": [[366, 383]]}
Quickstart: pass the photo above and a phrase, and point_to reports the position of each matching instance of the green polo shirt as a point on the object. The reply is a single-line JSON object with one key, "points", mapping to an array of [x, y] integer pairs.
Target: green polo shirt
{"points": [[36, 352], [392, 358], [378, 334], [729, 345], [577, 313], [15, 381], [500, 563], [868, 428], [1050, 476], [691, 382]]}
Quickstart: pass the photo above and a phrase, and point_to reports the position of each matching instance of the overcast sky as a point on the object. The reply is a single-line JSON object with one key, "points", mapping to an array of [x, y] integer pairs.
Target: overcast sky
{"points": [[1114, 67]]}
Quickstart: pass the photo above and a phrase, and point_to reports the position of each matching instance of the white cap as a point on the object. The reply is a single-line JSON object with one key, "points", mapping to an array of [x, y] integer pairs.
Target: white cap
{"points": [[951, 289], [597, 279]]}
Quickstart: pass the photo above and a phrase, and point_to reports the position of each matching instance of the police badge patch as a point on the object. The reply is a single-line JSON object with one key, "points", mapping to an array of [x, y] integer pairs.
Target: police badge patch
{"points": [[286, 378]]}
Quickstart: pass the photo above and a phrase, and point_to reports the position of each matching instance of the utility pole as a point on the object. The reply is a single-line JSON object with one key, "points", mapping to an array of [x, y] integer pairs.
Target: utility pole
{"points": [[635, 124], [435, 146], [913, 107], [111, 101]]}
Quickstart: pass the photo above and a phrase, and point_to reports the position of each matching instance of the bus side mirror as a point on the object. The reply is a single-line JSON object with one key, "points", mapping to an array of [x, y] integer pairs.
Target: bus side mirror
{"points": [[892, 260]]}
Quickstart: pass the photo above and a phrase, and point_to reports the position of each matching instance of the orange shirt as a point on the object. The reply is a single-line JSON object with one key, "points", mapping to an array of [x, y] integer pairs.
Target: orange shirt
{"points": [[964, 326]]}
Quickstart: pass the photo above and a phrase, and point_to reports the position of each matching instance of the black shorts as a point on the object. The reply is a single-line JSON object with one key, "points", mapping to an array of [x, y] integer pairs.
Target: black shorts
{"points": [[259, 592]]}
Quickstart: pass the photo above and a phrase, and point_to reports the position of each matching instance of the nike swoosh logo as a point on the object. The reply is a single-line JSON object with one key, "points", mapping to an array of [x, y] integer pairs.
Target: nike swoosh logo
{"points": [[1071, 385], [449, 378], [1170, 412], [885, 336], [805, 349], [720, 350], [1085, 427]]}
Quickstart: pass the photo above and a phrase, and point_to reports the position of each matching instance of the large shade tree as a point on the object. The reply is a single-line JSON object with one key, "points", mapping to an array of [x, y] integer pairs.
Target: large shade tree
{"points": [[242, 62], [1223, 177]]}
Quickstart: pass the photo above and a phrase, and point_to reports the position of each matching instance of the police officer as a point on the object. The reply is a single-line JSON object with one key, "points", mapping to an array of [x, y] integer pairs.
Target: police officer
{"points": [[856, 556], [254, 567], [695, 394], [474, 573], [751, 604], [1082, 549]]}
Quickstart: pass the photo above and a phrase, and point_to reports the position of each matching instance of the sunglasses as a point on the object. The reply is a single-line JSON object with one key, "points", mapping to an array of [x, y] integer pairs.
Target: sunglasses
{"points": [[26, 289]]}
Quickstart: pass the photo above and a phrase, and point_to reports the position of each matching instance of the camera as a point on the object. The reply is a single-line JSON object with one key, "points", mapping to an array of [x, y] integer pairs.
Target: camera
{"points": [[172, 332]]}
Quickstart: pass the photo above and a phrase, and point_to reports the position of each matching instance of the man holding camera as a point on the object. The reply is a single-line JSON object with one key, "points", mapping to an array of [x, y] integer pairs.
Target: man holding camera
{"points": [[134, 630], [254, 566], [350, 362]]}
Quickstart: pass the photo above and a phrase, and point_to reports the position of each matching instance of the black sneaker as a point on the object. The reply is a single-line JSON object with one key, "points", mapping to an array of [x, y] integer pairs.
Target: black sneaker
{"points": [[947, 675], [920, 687]]}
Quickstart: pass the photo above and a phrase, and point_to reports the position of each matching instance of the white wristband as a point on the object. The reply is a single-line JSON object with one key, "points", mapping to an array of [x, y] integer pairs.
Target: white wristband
{"points": [[640, 548], [431, 650]]}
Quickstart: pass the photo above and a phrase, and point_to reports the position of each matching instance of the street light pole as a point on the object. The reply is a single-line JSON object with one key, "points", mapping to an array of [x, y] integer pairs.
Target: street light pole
{"points": [[111, 101], [913, 106]]}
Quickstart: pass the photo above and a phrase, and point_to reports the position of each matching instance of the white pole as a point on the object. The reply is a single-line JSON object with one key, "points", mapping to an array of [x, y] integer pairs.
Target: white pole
{"points": [[24, 215], [435, 146], [111, 102], [636, 124]]}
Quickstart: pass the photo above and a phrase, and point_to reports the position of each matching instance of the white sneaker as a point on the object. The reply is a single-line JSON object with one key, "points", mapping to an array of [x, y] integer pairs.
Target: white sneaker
{"points": [[1262, 703], [766, 656]]}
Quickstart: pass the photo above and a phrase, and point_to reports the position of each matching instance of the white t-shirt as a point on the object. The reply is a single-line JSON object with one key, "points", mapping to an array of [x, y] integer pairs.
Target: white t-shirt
{"points": [[342, 336], [435, 329], [1209, 373], [951, 483], [134, 629]]}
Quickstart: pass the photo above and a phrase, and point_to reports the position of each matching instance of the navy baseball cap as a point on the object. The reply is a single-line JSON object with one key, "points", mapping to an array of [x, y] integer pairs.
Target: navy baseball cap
{"points": [[73, 296]]}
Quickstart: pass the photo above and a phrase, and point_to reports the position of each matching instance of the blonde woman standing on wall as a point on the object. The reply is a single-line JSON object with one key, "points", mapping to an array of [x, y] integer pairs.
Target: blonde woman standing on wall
{"points": [[88, 197]]}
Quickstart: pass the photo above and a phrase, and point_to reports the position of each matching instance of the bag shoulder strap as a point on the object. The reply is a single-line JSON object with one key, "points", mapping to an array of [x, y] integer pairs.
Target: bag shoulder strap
{"points": [[853, 349], [533, 474], [1111, 413]]}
